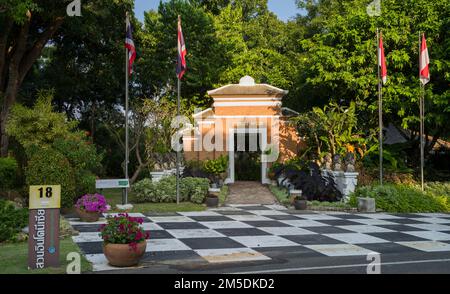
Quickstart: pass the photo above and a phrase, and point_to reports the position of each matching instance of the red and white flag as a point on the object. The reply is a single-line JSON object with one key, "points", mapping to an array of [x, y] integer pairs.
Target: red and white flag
{"points": [[181, 59], [129, 44], [382, 60], [424, 72]]}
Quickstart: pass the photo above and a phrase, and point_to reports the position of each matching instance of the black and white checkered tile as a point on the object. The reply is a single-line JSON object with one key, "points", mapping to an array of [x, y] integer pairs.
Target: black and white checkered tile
{"points": [[252, 232]]}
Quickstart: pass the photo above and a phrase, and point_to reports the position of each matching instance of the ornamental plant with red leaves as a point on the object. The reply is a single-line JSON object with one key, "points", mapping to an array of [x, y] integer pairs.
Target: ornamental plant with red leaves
{"points": [[123, 229]]}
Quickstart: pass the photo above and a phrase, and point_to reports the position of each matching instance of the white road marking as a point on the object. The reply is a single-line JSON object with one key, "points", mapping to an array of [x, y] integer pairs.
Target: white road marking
{"points": [[339, 266]]}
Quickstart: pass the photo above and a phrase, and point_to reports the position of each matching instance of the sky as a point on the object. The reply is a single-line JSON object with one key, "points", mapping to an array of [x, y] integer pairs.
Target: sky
{"points": [[285, 9]]}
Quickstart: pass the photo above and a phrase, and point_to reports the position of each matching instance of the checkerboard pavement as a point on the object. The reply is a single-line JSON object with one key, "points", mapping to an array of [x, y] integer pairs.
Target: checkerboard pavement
{"points": [[251, 233]]}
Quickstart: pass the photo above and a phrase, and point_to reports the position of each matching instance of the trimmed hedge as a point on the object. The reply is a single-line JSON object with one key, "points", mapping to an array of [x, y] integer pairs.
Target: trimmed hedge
{"points": [[191, 189], [403, 198], [48, 166]]}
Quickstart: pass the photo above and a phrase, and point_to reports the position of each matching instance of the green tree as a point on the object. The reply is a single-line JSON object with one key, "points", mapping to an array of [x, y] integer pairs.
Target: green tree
{"points": [[337, 60], [40, 130], [28, 25], [158, 62], [255, 47]]}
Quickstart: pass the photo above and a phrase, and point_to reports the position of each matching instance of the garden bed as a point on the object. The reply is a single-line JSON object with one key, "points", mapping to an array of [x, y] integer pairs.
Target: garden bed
{"points": [[114, 196]]}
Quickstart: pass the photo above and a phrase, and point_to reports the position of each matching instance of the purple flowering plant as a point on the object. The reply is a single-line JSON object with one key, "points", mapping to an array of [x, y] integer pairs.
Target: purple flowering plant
{"points": [[92, 203], [123, 229]]}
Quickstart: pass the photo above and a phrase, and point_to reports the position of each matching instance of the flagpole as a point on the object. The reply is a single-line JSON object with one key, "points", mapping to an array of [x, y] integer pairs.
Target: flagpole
{"points": [[125, 195], [178, 115], [178, 150], [422, 114], [380, 110]]}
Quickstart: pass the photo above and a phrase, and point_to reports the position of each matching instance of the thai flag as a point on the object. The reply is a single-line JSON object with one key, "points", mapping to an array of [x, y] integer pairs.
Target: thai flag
{"points": [[382, 61], [424, 70], [181, 61], [129, 44]]}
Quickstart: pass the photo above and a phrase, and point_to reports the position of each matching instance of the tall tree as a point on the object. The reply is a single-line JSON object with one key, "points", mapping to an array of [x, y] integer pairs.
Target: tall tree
{"points": [[337, 61], [27, 27], [156, 68]]}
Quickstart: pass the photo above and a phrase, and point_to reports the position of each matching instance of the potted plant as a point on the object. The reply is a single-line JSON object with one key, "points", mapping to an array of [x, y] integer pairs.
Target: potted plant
{"points": [[212, 199], [124, 240], [300, 203], [217, 169], [90, 206]]}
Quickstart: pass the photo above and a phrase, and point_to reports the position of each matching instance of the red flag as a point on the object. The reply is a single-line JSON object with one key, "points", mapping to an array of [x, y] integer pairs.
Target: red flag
{"points": [[181, 61], [424, 62], [382, 60], [129, 44]]}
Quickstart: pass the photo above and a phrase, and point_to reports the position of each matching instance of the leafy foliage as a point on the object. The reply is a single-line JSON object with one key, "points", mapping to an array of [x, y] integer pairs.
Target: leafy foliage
{"points": [[40, 125], [40, 129], [12, 220], [331, 129], [313, 184], [191, 189], [337, 61], [403, 198], [8, 173], [194, 168], [49, 167], [216, 166]]}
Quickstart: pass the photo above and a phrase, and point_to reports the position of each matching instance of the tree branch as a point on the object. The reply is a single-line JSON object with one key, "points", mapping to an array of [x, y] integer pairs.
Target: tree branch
{"points": [[36, 50]]}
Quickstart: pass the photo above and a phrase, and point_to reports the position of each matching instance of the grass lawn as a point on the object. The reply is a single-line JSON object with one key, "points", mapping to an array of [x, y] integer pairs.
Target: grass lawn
{"points": [[223, 194], [281, 194], [13, 259], [114, 196]]}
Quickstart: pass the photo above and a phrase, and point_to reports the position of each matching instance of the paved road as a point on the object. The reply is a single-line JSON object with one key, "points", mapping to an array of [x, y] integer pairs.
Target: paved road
{"points": [[270, 239]]}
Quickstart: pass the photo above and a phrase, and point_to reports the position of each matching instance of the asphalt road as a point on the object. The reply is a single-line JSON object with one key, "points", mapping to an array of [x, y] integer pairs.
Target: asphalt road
{"points": [[282, 263]]}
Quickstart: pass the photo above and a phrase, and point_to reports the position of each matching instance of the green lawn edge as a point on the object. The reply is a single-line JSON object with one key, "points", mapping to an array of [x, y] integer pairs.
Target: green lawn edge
{"points": [[14, 258]]}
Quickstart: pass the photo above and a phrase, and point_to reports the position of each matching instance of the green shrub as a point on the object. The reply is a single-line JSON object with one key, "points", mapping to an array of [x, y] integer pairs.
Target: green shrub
{"points": [[216, 166], [84, 182], [40, 127], [438, 188], [48, 166], [12, 220], [83, 158], [196, 188], [402, 198], [144, 191], [193, 189], [198, 195], [8, 173]]}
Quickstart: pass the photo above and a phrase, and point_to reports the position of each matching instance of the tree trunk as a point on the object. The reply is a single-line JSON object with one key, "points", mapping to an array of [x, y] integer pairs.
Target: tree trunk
{"points": [[6, 107], [15, 62]]}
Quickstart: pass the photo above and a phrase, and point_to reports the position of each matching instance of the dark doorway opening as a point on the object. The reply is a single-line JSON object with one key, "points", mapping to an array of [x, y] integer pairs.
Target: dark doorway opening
{"points": [[247, 157]]}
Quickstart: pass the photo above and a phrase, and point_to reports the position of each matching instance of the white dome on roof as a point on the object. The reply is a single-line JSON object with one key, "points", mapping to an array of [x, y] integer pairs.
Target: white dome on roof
{"points": [[247, 81]]}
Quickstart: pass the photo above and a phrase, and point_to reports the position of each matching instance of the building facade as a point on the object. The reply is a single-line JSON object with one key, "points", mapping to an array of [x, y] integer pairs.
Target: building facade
{"points": [[246, 120]]}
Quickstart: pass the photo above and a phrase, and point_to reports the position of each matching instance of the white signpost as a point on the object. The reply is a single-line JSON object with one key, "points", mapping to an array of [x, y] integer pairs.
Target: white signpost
{"points": [[112, 183], [115, 183]]}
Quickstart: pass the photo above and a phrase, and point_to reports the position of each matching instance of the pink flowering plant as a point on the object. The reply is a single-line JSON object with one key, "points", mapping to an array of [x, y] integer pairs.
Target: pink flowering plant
{"points": [[92, 203], [123, 229]]}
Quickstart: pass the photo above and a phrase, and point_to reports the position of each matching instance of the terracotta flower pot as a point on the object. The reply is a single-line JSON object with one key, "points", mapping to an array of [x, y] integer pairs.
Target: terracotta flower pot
{"points": [[123, 255], [88, 216]]}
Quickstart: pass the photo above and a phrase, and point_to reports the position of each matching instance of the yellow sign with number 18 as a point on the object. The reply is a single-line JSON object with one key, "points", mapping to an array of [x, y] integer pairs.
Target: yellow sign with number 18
{"points": [[45, 196]]}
